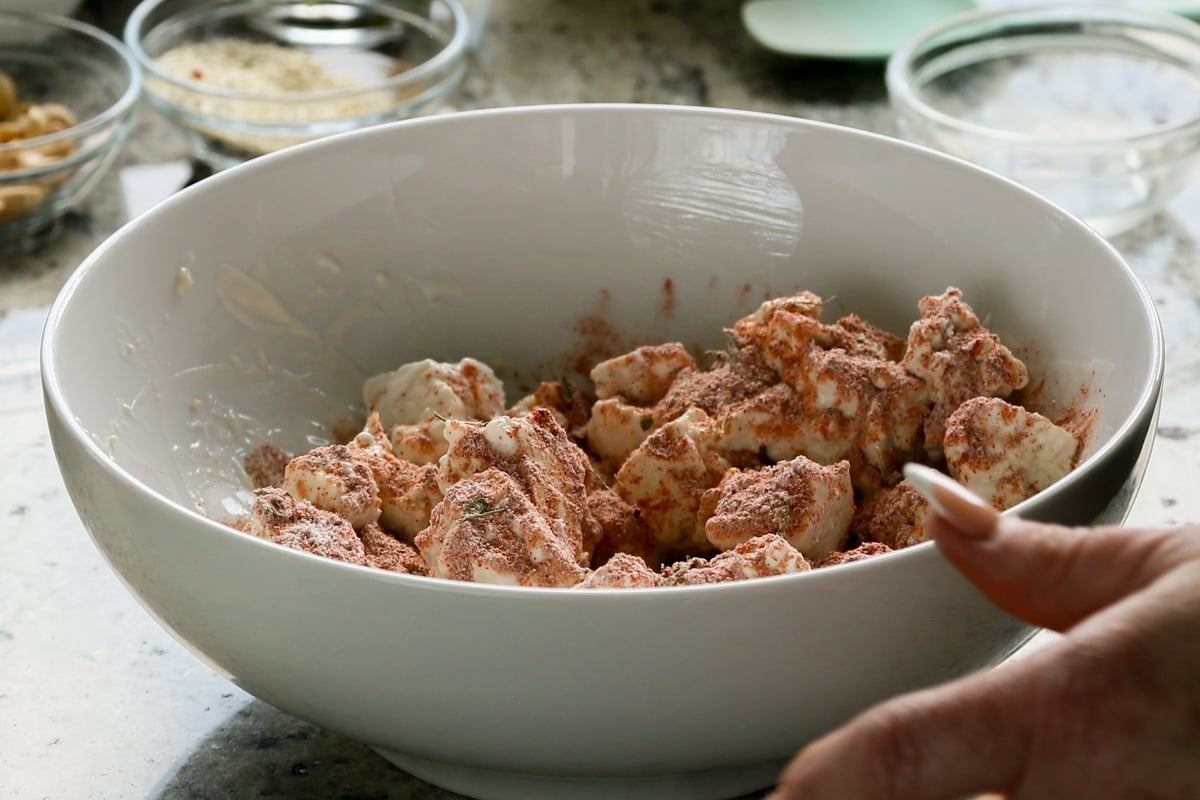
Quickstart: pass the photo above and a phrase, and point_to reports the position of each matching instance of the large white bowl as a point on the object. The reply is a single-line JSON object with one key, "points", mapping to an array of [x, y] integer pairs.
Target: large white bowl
{"points": [[251, 305]]}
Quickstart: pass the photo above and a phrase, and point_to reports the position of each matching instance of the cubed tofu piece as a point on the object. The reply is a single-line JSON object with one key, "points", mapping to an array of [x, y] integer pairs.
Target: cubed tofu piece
{"points": [[784, 326], [420, 442], [551, 469], [788, 341], [861, 409], [622, 571], [299, 525], [384, 551], [569, 404], [786, 329], [759, 557], [642, 376], [407, 491], [332, 479], [896, 516], [1004, 453], [487, 530], [781, 425], [861, 553], [620, 530], [808, 504], [413, 392], [616, 428], [958, 359], [737, 376], [666, 475], [881, 409], [858, 337]]}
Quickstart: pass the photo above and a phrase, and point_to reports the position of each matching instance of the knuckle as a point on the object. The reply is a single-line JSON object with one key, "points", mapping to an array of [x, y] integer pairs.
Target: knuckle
{"points": [[897, 754], [1097, 692]]}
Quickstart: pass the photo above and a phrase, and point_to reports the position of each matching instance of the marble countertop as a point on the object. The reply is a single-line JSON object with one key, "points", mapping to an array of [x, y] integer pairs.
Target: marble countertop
{"points": [[96, 701]]}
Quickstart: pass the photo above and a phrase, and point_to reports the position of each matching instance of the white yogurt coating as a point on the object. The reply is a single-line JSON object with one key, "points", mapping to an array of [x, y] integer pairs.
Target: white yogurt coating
{"points": [[615, 428], [413, 392]]}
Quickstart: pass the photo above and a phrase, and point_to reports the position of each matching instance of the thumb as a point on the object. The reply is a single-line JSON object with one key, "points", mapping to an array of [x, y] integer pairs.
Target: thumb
{"points": [[1048, 575], [943, 743]]}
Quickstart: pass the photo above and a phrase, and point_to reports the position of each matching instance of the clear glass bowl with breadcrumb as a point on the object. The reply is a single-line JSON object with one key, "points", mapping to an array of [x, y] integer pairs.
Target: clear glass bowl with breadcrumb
{"points": [[241, 78], [67, 97]]}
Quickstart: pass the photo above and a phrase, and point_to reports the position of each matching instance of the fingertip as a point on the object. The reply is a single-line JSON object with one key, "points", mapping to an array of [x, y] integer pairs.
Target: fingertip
{"points": [[816, 774], [968, 514], [795, 768]]}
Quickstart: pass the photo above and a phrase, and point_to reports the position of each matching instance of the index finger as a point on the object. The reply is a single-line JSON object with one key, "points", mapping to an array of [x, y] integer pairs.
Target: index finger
{"points": [[1048, 575]]}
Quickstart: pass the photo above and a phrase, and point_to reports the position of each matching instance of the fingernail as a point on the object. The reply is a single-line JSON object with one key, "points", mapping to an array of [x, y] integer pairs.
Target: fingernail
{"points": [[956, 503]]}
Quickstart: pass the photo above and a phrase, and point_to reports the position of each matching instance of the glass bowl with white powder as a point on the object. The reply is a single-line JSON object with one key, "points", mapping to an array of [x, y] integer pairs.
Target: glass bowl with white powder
{"points": [[241, 78], [1094, 106]]}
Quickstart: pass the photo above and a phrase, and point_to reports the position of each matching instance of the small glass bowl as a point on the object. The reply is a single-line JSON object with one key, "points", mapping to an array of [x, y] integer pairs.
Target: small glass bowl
{"points": [[75, 91], [1096, 107], [389, 58]]}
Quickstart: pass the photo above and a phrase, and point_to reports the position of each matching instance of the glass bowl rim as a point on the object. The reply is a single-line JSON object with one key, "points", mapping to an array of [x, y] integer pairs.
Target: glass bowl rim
{"points": [[905, 97], [118, 109], [453, 51]]}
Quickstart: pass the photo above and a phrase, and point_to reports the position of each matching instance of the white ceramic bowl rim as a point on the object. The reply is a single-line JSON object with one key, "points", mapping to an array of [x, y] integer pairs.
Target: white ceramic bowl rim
{"points": [[118, 109], [903, 91], [1147, 398], [451, 52]]}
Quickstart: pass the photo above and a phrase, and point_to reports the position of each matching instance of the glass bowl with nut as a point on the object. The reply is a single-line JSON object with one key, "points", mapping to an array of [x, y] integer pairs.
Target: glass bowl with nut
{"points": [[67, 94]]}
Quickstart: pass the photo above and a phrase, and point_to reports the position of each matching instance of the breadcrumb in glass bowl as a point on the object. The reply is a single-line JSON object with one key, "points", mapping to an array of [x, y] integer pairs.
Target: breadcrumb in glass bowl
{"points": [[67, 96], [241, 79]]}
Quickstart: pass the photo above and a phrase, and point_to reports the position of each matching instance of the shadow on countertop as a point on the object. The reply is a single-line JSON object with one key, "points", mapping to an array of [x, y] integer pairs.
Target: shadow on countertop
{"points": [[262, 752]]}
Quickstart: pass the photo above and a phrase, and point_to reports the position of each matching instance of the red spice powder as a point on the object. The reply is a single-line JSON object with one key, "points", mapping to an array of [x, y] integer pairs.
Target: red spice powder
{"points": [[265, 466], [599, 339], [668, 304]]}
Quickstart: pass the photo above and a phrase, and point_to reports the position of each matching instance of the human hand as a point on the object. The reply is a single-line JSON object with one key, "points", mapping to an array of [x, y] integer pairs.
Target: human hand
{"points": [[1111, 710]]}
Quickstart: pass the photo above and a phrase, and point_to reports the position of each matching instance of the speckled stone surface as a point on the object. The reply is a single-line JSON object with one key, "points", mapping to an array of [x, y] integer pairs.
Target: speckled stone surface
{"points": [[96, 701]]}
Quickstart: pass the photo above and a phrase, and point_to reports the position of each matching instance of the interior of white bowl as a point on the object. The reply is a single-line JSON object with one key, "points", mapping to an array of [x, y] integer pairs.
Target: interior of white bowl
{"points": [[250, 307]]}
